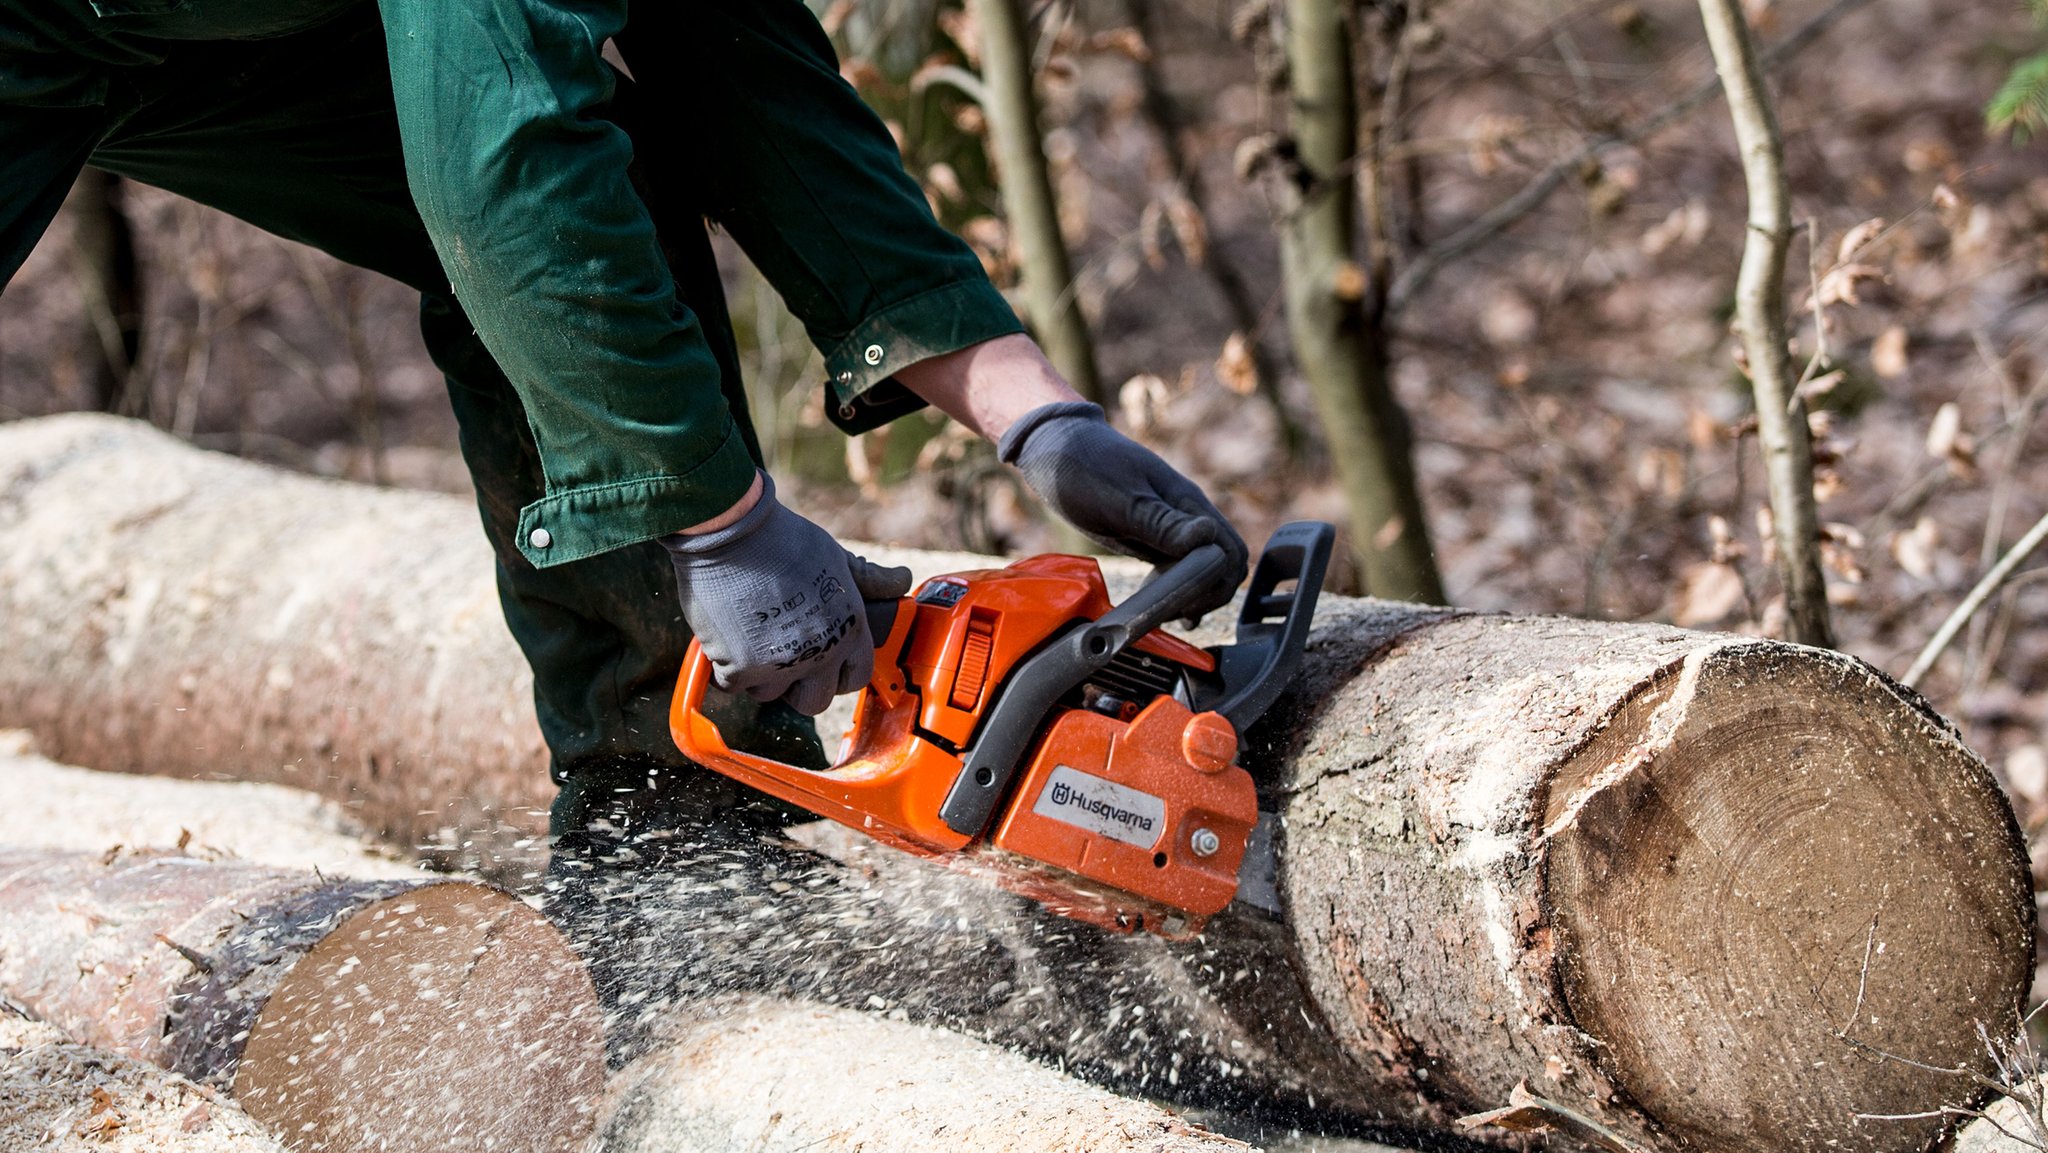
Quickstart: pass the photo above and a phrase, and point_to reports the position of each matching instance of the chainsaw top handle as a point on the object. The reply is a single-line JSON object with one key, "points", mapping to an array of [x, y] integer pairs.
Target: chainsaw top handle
{"points": [[1029, 693]]}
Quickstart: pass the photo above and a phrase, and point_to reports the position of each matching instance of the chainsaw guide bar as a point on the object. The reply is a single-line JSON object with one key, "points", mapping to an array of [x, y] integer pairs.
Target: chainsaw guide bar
{"points": [[1020, 727]]}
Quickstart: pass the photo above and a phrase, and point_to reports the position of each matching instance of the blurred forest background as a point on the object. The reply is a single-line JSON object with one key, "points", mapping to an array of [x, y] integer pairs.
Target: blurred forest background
{"points": [[1530, 240]]}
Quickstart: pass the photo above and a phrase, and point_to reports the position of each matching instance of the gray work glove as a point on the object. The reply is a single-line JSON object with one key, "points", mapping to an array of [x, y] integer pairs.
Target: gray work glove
{"points": [[1118, 492], [779, 606]]}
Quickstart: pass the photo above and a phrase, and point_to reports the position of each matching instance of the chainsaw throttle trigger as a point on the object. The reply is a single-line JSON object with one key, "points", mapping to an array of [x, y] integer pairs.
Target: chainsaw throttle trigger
{"points": [[1272, 627], [1026, 698]]}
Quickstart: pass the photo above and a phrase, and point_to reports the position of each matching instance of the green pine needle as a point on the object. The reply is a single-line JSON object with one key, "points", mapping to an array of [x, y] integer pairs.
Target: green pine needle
{"points": [[2021, 105]]}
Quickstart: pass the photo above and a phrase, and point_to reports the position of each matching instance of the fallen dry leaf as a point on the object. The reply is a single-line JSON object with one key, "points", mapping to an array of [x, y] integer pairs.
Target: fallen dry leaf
{"points": [[2026, 770], [1914, 548], [1126, 42], [1708, 594], [1854, 240], [1235, 367], [1888, 353]]}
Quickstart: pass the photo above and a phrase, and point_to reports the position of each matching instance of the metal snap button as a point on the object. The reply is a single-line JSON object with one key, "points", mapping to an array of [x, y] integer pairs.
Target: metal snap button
{"points": [[874, 354], [539, 538]]}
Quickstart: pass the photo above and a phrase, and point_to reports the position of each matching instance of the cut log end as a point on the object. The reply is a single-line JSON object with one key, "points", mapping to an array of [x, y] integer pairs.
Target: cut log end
{"points": [[1750, 958], [452, 1010]]}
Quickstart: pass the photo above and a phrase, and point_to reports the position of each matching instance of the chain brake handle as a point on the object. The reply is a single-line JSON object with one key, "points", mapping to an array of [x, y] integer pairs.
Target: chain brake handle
{"points": [[1273, 625]]}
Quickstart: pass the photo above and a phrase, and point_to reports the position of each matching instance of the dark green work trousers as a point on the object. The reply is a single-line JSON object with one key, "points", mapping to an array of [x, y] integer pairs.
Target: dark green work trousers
{"points": [[298, 136]]}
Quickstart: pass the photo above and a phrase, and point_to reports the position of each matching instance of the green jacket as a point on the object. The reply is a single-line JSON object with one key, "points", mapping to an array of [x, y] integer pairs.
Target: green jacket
{"points": [[523, 185]]}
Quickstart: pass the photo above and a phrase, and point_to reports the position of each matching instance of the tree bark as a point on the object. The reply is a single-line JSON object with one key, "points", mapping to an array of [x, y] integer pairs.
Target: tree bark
{"points": [[345, 1015], [183, 613], [725, 1081], [103, 253], [1760, 319], [1690, 884], [1335, 317], [1011, 103], [57, 1096]]}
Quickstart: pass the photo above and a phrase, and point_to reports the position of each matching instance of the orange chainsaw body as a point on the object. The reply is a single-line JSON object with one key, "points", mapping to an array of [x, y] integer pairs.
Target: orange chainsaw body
{"points": [[1127, 810]]}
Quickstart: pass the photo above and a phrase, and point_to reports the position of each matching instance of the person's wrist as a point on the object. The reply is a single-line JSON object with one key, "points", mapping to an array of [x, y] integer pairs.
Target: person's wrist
{"points": [[988, 386], [1010, 446], [730, 516]]}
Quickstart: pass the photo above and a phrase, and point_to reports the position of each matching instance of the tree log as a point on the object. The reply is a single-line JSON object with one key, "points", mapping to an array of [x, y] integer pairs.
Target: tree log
{"points": [[773, 1075], [377, 670], [1705, 890], [346, 1015], [57, 1096]]}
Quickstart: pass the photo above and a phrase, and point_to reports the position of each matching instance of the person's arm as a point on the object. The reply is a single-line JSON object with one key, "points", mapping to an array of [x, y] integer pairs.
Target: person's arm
{"points": [[811, 185], [1119, 493], [523, 186]]}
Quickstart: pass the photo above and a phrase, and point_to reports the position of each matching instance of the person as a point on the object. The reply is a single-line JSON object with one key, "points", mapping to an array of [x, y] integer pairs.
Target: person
{"points": [[549, 208]]}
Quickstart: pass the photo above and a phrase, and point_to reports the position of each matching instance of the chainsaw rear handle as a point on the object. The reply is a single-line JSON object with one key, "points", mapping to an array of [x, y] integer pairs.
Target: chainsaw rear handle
{"points": [[1272, 627], [1027, 696]]}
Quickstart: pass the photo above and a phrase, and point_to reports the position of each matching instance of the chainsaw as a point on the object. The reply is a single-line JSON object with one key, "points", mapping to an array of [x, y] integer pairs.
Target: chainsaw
{"points": [[1019, 726]]}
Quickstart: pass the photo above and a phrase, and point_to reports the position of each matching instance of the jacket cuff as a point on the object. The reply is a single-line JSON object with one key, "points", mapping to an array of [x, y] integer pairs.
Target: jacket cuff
{"points": [[933, 323], [582, 522]]}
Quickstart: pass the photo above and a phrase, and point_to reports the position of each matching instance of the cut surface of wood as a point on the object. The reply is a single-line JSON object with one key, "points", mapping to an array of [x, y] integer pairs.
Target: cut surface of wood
{"points": [[346, 1015]]}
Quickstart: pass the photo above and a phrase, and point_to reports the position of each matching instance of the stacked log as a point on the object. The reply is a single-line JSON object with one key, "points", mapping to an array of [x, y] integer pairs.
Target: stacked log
{"points": [[345, 1015], [1695, 891], [57, 1096]]}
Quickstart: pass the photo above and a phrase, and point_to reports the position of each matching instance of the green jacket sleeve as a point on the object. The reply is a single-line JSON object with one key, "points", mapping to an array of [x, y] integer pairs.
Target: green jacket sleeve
{"points": [[523, 186], [809, 182]]}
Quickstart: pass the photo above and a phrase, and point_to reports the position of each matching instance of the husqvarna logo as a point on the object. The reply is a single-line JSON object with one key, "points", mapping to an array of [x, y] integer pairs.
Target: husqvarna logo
{"points": [[1089, 802]]}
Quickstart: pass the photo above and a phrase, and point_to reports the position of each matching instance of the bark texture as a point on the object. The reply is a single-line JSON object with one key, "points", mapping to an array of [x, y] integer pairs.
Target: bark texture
{"points": [[845, 1082], [1692, 885], [58, 1096], [346, 1015], [1760, 320], [1010, 99], [1337, 319], [183, 613]]}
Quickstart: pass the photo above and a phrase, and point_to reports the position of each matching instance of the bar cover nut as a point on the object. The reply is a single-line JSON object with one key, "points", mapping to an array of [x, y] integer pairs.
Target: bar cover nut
{"points": [[1209, 742]]}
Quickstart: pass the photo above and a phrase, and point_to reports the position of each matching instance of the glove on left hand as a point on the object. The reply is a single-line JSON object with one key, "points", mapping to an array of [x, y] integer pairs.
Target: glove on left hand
{"points": [[778, 605]]}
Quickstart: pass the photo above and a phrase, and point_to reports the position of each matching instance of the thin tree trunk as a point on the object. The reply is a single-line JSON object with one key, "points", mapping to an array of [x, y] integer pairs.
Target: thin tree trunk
{"points": [[1573, 854], [1336, 319], [103, 247], [1246, 312], [346, 1015], [1760, 319], [1012, 107]]}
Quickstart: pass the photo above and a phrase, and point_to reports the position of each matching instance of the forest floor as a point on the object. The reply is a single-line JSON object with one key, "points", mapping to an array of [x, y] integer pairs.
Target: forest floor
{"points": [[1580, 424]]}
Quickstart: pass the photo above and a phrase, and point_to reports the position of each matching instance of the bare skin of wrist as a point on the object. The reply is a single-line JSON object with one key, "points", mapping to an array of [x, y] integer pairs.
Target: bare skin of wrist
{"points": [[988, 387], [732, 514]]}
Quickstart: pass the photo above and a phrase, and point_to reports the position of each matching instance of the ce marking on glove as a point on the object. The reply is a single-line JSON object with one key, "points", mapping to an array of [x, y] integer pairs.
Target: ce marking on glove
{"points": [[763, 616]]}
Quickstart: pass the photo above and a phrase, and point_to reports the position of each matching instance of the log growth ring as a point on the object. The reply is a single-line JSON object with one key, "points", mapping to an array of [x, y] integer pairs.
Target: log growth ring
{"points": [[445, 1012], [1762, 874]]}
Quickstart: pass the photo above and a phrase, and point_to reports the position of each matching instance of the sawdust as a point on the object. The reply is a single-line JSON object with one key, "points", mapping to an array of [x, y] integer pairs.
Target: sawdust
{"points": [[57, 1096], [53, 806]]}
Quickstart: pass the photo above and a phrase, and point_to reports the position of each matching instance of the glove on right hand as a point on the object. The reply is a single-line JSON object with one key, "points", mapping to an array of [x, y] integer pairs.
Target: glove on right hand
{"points": [[778, 605], [1119, 492]]}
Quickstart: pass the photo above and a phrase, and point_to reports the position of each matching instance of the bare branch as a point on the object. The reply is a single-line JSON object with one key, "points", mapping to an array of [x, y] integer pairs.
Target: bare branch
{"points": [[1537, 192], [1990, 584]]}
